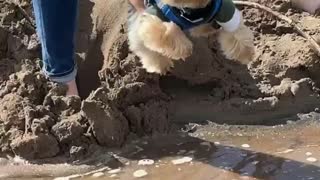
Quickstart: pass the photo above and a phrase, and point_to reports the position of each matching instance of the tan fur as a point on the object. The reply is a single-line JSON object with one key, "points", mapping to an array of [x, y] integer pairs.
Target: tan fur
{"points": [[238, 45], [164, 38], [158, 43], [204, 30]]}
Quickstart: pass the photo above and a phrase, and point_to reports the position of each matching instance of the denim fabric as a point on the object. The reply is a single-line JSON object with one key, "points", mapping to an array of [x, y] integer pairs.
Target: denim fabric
{"points": [[56, 22]]}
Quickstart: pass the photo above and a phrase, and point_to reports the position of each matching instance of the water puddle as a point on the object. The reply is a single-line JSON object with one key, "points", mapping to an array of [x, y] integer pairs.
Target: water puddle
{"points": [[210, 152]]}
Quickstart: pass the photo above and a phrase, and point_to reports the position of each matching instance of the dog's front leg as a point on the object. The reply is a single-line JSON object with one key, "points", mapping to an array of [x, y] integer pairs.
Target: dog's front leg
{"points": [[163, 37], [238, 45], [152, 61]]}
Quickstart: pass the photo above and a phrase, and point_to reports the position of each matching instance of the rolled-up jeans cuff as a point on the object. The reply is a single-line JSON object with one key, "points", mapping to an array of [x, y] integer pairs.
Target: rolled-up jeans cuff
{"points": [[66, 77]]}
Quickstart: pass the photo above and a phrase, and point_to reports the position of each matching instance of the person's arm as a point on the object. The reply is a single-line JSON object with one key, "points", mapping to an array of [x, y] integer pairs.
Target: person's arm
{"points": [[138, 5]]}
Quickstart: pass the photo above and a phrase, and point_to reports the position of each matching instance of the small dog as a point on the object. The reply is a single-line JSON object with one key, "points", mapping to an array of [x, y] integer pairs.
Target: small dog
{"points": [[158, 36]]}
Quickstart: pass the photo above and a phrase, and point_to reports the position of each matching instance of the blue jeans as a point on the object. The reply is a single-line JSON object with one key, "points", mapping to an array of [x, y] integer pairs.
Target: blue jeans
{"points": [[56, 22]]}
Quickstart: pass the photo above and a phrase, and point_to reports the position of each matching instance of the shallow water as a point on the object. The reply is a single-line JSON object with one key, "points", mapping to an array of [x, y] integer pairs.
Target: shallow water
{"points": [[217, 152]]}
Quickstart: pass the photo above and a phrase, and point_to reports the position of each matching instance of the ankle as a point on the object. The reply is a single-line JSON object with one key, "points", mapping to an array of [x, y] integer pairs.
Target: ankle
{"points": [[72, 88]]}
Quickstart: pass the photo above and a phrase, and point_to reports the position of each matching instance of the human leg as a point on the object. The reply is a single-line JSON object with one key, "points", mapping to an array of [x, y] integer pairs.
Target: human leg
{"points": [[56, 26]]}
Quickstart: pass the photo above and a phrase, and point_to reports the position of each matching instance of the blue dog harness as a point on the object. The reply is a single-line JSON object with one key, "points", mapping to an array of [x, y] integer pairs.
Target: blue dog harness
{"points": [[187, 18]]}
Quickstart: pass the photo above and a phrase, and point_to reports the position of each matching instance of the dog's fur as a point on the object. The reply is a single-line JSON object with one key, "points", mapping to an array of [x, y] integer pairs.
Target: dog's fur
{"points": [[158, 43]]}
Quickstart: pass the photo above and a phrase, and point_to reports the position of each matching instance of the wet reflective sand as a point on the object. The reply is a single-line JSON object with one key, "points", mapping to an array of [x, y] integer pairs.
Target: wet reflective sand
{"points": [[210, 152]]}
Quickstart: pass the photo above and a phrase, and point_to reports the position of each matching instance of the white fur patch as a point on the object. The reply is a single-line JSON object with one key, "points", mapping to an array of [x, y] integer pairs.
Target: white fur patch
{"points": [[233, 24]]}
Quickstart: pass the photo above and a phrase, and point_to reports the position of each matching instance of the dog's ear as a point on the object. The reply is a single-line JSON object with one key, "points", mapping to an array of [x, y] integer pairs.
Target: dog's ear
{"points": [[187, 3]]}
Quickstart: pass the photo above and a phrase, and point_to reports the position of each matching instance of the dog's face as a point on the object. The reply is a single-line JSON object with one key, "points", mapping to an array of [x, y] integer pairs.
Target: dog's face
{"points": [[193, 4]]}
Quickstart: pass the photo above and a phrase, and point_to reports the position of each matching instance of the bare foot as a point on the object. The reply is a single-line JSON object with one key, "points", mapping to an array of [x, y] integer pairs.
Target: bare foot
{"points": [[72, 88]]}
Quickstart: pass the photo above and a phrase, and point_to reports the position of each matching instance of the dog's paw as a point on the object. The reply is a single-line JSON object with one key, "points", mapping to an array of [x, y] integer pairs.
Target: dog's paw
{"points": [[182, 47], [238, 45], [246, 54], [183, 50], [160, 67], [154, 62]]}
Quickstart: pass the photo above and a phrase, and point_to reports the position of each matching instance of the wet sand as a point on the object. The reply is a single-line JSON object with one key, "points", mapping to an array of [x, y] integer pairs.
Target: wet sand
{"points": [[211, 151]]}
